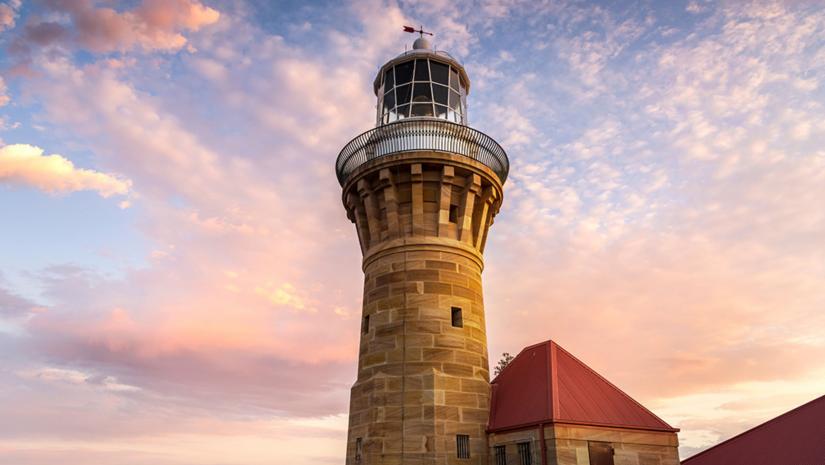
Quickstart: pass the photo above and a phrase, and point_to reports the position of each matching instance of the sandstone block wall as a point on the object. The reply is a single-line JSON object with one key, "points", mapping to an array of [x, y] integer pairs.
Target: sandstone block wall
{"points": [[568, 445], [421, 380]]}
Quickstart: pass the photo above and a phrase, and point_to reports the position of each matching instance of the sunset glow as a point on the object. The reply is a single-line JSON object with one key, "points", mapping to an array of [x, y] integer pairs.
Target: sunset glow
{"points": [[179, 282]]}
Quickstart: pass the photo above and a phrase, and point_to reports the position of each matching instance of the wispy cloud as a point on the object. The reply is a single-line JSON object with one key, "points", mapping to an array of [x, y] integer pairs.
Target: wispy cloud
{"points": [[662, 219]]}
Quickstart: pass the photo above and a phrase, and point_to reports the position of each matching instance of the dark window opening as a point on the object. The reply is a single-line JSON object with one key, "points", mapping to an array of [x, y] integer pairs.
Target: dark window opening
{"points": [[422, 109], [422, 73], [601, 453], [358, 449], [453, 213], [454, 79], [441, 112], [422, 93], [403, 73], [440, 72], [389, 99], [462, 442], [365, 325], [500, 453], [455, 100], [440, 94], [402, 94], [458, 320], [524, 455]]}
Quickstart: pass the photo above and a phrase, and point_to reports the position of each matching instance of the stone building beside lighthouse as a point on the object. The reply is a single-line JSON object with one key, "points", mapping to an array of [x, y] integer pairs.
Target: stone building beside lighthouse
{"points": [[423, 188]]}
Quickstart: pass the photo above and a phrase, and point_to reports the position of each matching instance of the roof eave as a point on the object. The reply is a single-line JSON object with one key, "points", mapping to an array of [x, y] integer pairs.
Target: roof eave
{"points": [[534, 424]]}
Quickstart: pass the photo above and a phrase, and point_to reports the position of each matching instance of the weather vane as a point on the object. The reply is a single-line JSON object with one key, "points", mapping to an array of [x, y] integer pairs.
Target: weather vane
{"points": [[420, 30]]}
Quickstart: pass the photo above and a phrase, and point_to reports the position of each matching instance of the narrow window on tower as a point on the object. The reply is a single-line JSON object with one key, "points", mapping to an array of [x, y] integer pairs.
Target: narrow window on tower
{"points": [[501, 455], [524, 455], [365, 325], [458, 320], [453, 213], [462, 442], [601, 453], [358, 449]]}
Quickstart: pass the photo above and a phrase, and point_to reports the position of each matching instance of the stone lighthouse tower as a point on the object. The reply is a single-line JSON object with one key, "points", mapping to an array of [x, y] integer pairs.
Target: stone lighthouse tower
{"points": [[422, 188]]}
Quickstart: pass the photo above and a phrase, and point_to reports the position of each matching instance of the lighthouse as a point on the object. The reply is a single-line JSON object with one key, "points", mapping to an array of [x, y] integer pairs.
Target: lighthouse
{"points": [[422, 188]]}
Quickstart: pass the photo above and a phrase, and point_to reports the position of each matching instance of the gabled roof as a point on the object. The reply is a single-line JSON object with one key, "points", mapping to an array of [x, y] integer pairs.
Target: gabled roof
{"points": [[546, 384], [793, 438]]}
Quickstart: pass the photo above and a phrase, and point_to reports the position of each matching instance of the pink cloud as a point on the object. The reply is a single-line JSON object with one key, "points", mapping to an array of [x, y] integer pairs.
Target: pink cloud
{"points": [[153, 25], [25, 164], [8, 14], [673, 276], [12, 305]]}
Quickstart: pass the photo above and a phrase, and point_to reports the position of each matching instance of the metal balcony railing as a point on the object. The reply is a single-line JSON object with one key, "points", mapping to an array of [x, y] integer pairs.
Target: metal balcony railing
{"points": [[414, 135]]}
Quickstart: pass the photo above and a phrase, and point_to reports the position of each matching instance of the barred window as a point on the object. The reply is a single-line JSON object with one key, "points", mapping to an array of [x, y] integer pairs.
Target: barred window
{"points": [[358, 449], [524, 455], [462, 442], [500, 453], [601, 453]]}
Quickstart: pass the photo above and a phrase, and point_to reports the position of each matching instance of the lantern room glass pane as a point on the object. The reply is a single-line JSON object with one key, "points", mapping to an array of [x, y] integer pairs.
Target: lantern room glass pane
{"points": [[440, 72], [403, 111], [389, 99], [402, 94], [455, 100], [454, 83], [440, 94], [422, 109], [441, 111], [403, 73], [422, 72], [388, 79], [421, 93]]}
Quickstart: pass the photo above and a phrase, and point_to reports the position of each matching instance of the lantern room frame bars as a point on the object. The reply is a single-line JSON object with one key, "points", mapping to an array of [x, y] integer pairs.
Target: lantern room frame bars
{"points": [[453, 108]]}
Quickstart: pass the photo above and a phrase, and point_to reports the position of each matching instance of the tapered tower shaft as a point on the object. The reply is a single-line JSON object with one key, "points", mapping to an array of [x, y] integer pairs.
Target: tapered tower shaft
{"points": [[422, 193]]}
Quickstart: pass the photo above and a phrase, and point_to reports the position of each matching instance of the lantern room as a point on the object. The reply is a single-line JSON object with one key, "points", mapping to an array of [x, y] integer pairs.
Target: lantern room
{"points": [[422, 83]]}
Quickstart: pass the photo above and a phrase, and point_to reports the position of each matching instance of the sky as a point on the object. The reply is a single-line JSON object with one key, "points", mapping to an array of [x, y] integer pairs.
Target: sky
{"points": [[179, 283]]}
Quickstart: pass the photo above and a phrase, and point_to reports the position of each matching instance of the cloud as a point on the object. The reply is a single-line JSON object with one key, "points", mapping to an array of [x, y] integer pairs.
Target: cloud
{"points": [[23, 164], [152, 25], [12, 305], [4, 97], [662, 220], [695, 7], [8, 14]]}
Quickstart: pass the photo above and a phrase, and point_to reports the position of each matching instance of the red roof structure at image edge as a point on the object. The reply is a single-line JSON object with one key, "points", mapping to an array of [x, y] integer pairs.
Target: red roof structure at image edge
{"points": [[546, 384], [793, 438]]}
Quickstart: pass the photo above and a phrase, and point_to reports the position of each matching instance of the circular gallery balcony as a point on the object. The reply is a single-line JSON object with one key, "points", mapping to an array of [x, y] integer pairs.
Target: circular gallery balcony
{"points": [[422, 135]]}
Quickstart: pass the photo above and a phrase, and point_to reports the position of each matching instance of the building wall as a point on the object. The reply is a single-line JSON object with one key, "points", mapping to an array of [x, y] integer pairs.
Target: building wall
{"points": [[568, 445], [421, 381]]}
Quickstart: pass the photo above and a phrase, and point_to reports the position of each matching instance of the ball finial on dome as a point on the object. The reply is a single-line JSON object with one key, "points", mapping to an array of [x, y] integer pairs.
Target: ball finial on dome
{"points": [[422, 43]]}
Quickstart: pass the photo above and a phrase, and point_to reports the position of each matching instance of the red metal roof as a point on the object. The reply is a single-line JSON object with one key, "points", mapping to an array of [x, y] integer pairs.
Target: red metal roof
{"points": [[793, 438], [546, 384]]}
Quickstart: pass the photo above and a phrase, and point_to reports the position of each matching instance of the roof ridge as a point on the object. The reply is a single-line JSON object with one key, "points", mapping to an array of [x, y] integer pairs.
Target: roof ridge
{"points": [[591, 370], [553, 380], [743, 433]]}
